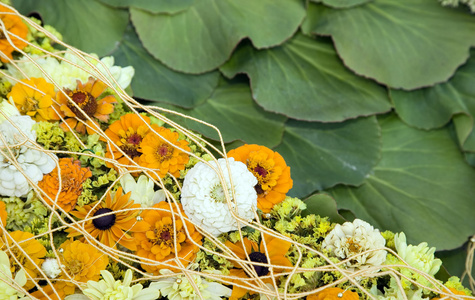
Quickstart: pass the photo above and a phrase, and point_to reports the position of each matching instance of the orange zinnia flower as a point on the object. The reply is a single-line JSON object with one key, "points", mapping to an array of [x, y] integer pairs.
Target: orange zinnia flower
{"points": [[334, 293], [455, 292], [35, 252], [159, 154], [3, 215], [47, 292], [276, 248], [14, 26], [271, 171], [112, 228], [127, 134], [34, 97], [157, 243], [72, 178], [85, 96], [83, 262]]}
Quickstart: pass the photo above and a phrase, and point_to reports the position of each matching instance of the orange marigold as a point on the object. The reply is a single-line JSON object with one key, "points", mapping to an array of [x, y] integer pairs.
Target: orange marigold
{"points": [[30, 256], [453, 291], [276, 250], [49, 292], [271, 171], [85, 96], [13, 25], [157, 243], [116, 225], [334, 293], [160, 155], [34, 97], [72, 178], [127, 134], [3, 215], [82, 262]]}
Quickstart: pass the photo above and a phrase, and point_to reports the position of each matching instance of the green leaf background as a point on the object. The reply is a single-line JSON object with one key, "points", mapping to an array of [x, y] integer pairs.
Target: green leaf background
{"points": [[371, 103]]}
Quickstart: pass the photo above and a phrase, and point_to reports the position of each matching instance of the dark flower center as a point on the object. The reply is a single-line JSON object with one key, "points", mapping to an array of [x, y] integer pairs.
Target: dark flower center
{"points": [[163, 152], [85, 101], [261, 258], [258, 189], [165, 235], [134, 139], [261, 171], [105, 222], [131, 145]]}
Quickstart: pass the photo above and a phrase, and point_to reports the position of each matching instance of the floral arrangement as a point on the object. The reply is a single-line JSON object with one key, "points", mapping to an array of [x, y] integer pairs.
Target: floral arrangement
{"points": [[104, 198]]}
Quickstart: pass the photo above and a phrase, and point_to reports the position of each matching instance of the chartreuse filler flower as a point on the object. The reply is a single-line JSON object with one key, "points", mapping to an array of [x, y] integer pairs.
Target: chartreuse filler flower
{"points": [[103, 199]]}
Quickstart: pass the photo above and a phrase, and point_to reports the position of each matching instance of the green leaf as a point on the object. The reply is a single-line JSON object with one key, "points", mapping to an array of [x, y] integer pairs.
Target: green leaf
{"points": [[203, 37], [324, 206], [342, 3], [305, 80], [232, 110], [454, 262], [85, 24], [433, 107], [154, 81], [401, 43], [321, 155], [421, 186], [155, 6]]}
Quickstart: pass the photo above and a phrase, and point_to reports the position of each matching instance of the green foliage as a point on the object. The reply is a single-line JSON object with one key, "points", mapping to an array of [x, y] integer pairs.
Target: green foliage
{"points": [[391, 174]]}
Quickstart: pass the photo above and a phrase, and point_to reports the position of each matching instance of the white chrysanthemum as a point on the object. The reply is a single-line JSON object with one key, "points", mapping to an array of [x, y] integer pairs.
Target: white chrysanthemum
{"points": [[51, 267], [420, 257], [7, 283], [353, 238], [108, 288], [16, 144], [143, 191], [204, 200], [65, 72], [179, 288]]}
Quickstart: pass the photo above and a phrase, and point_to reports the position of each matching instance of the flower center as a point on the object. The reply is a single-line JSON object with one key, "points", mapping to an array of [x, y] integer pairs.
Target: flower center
{"points": [[74, 267], [130, 143], [164, 152], [260, 258], [30, 104], [217, 193], [105, 222], [20, 257], [261, 171], [86, 102], [353, 246]]}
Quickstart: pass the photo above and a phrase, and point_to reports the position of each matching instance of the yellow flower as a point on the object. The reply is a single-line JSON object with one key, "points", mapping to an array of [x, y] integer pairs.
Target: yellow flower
{"points": [[334, 294], [159, 154], [72, 178], [127, 134], [14, 26], [82, 262], [157, 243], [85, 96], [31, 262], [34, 97], [112, 228], [3, 214], [271, 171]]}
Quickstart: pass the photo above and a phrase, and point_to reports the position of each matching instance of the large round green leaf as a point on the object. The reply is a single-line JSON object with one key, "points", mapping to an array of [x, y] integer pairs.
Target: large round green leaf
{"points": [[154, 6], [342, 3], [154, 81], [304, 79], [86, 24], [402, 43], [421, 186], [433, 107], [232, 110], [203, 37], [321, 155]]}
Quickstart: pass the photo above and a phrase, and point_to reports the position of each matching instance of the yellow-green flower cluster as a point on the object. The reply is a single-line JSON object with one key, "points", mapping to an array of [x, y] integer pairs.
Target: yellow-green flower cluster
{"points": [[454, 283], [24, 213], [38, 39], [52, 137], [209, 261]]}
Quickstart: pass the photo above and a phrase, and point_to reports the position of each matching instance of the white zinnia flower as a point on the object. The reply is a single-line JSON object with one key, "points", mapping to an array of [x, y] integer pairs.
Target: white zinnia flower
{"points": [[108, 288], [352, 239], [17, 145], [142, 191], [7, 283], [51, 267], [179, 287], [420, 257], [204, 200], [65, 72]]}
